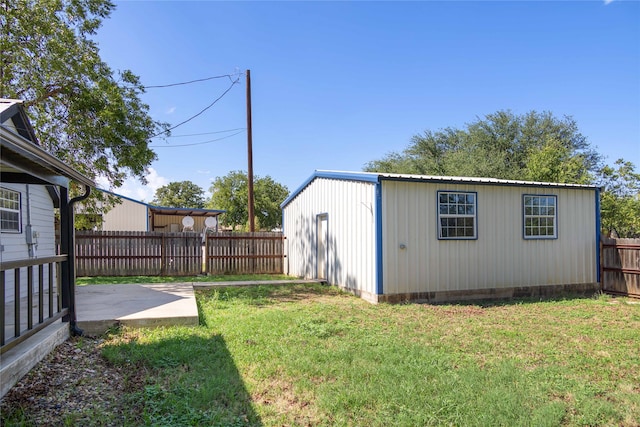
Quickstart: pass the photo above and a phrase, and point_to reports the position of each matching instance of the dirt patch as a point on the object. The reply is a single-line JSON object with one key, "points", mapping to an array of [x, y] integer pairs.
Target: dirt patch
{"points": [[73, 385], [459, 310], [279, 396]]}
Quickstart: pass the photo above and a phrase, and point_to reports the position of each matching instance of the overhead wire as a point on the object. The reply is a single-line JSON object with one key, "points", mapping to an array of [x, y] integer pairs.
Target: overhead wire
{"points": [[193, 81], [204, 133], [197, 143], [233, 83]]}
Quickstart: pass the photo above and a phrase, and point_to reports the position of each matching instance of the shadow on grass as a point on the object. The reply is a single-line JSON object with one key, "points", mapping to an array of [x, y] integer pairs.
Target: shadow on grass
{"points": [[503, 302], [259, 295], [190, 380]]}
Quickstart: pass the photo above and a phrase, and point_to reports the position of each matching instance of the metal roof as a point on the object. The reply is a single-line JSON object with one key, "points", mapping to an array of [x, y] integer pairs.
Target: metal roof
{"points": [[165, 210], [184, 211], [477, 180], [376, 177]]}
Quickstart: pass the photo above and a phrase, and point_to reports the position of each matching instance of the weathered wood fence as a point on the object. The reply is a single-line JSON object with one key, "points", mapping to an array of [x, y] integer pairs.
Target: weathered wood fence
{"points": [[620, 266], [125, 253]]}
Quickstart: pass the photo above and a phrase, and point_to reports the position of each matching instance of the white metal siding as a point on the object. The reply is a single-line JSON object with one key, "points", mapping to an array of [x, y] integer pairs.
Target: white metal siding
{"points": [[350, 208], [14, 245], [42, 221], [127, 216], [500, 257]]}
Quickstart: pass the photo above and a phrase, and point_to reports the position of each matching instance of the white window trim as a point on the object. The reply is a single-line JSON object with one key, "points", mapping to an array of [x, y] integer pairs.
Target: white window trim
{"points": [[18, 211], [554, 217], [474, 215]]}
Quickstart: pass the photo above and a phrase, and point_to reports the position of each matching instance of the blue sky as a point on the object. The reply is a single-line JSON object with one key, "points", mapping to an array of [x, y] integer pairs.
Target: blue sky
{"points": [[337, 84]]}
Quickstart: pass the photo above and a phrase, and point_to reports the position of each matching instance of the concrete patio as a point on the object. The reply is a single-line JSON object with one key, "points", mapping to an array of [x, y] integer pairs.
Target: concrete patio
{"points": [[100, 307]]}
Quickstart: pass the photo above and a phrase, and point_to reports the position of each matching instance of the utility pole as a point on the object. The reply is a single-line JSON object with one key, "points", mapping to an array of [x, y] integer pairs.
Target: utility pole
{"points": [[252, 224]]}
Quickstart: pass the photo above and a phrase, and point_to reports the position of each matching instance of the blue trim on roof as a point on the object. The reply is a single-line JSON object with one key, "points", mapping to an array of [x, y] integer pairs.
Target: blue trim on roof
{"points": [[202, 210], [375, 177], [348, 176], [478, 181], [122, 197], [156, 207]]}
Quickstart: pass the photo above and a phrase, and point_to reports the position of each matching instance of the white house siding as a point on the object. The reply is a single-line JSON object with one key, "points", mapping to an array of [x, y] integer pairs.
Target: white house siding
{"points": [[350, 209], [500, 257], [35, 199], [127, 216]]}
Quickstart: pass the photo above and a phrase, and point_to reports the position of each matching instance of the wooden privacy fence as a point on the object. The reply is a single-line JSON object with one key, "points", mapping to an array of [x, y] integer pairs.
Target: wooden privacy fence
{"points": [[138, 253], [620, 266]]}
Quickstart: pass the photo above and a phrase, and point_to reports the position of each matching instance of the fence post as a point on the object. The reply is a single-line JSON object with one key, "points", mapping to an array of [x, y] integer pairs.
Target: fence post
{"points": [[601, 266], [163, 255], [205, 252]]}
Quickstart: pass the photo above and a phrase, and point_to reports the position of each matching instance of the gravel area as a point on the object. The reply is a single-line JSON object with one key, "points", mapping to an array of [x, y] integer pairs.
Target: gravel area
{"points": [[74, 385]]}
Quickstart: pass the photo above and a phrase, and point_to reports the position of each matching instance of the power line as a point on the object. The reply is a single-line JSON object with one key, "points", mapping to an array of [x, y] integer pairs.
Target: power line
{"points": [[233, 83], [205, 133], [229, 76], [197, 143]]}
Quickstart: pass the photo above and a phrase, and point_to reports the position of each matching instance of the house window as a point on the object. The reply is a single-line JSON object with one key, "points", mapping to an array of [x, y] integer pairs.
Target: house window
{"points": [[457, 215], [540, 217], [10, 217]]}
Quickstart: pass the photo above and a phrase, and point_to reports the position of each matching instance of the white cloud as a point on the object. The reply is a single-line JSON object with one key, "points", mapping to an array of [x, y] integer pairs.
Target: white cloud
{"points": [[171, 110], [606, 2], [156, 181], [133, 189], [203, 172]]}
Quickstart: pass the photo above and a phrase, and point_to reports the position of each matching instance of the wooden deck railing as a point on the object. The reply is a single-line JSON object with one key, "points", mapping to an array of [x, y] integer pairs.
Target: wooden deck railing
{"points": [[31, 296]]}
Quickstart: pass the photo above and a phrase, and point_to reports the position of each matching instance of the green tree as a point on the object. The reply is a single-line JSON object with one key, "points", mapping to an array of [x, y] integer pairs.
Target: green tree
{"points": [[620, 199], [230, 193], [183, 194], [83, 113], [268, 195], [534, 146]]}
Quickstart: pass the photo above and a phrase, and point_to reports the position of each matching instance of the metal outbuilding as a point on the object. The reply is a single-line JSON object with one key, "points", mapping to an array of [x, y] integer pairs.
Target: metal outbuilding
{"points": [[393, 237], [134, 215]]}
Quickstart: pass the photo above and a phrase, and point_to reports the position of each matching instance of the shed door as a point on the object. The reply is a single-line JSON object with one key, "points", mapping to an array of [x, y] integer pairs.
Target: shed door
{"points": [[321, 246]]}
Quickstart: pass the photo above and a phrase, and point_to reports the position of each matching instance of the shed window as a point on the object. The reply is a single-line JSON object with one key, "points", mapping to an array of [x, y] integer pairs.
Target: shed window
{"points": [[10, 211], [457, 215], [540, 217]]}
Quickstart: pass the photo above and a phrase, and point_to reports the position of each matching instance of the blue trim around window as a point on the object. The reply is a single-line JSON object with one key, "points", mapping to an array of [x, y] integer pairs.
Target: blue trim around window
{"points": [[475, 215], [556, 227]]}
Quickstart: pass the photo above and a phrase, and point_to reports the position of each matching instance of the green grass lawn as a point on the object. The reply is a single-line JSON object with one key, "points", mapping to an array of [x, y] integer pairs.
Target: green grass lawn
{"points": [[119, 280], [312, 355]]}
